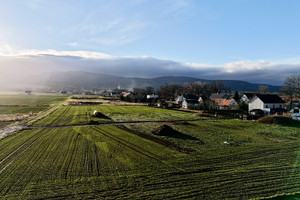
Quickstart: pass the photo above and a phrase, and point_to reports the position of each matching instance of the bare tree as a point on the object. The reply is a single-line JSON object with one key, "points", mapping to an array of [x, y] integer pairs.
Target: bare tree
{"points": [[263, 89], [292, 86], [169, 91], [218, 87]]}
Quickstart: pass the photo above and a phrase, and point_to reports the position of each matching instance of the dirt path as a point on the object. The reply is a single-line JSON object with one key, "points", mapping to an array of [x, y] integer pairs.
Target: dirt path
{"points": [[10, 130]]}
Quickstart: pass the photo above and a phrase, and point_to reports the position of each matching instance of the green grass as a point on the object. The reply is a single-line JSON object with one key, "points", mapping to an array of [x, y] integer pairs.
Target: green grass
{"points": [[115, 163]]}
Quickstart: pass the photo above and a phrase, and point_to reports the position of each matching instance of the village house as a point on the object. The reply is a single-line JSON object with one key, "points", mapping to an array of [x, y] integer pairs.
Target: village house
{"points": [[294, 110], [224, 104], [246, 97], [201, 101], [162, 104], [152, 96], [190, 101], [63, 92], [129, 96], [268, 103], [291, 103], [295, 114], [219, 96], [28, 92], [179, 99]]}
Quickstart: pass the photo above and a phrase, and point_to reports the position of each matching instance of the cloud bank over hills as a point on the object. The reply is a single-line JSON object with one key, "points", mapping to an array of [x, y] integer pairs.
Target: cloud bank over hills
{"points": [[33, 62]]}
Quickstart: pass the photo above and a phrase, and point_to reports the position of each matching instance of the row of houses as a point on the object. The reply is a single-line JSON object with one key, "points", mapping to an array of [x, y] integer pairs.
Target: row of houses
{"points": [[257, 103], [216, 101]]}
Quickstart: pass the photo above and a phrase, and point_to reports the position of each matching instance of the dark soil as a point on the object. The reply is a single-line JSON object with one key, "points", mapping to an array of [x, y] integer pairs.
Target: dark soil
{"points": [[157, 140], [280, 120], [166, 130]]}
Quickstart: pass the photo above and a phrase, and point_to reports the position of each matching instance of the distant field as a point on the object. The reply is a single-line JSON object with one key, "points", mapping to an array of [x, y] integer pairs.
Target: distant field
{"points": [[129, 162], [21, 103], [22, 99], [21, 109]]}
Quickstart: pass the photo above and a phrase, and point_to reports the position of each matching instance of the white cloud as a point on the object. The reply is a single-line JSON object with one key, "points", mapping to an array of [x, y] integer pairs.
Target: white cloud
{"points": [[245, 66], [142, 66], [199, 65], [6, 50], [9, 51]]}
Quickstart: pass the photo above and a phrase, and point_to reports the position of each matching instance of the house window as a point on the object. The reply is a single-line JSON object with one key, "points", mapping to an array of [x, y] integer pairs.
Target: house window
{"points": [[266, 106]]}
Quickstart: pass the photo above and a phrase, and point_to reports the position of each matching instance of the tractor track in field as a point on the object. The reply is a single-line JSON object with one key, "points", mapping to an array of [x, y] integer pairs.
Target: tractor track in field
{"points": [[130, 145], [111, 124], [23, 151]]}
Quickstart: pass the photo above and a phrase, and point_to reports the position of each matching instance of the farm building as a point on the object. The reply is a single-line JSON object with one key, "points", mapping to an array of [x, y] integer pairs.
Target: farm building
{"points": [[268, 103]]}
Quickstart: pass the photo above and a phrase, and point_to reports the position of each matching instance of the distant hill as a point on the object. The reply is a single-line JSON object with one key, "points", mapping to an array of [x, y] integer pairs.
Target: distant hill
{"points": [[87, 80], [81, 80]]}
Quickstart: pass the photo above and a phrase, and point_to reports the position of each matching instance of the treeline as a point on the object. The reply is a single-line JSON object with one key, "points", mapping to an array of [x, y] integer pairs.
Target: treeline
{"points": [[171, 91]]}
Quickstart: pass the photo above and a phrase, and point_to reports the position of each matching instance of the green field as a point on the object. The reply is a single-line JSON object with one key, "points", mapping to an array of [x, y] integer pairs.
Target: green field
{"points": [[129, 162], [71, 115]]}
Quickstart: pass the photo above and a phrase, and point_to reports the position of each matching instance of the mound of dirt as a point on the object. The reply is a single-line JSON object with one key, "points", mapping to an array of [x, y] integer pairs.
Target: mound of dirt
{"points": [[165, 130], [278, 120], [100, 115]]}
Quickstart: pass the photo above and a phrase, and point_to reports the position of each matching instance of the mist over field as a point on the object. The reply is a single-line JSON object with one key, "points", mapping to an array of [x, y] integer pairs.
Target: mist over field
{"points": [[37, 71]]}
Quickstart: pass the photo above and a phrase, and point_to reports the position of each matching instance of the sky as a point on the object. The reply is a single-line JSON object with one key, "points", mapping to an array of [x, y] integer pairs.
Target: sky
{"points": [[251, 40]]}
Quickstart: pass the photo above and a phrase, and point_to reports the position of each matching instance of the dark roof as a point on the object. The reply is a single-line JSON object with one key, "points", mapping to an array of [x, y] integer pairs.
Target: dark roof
{"points": [[191, 101], [270, 98], [250, 95], [191, 97], [219, 96]]}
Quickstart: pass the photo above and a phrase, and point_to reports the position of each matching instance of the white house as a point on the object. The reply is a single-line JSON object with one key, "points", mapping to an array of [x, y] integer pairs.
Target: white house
{"points": [[294, 110], [152, 96], [190, 101], [179, 99], [268, 103], [246, 97], [200, 100]]}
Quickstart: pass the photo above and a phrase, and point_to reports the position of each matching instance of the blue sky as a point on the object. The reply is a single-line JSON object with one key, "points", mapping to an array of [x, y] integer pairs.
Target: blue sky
{"points": [[237, 38]]}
